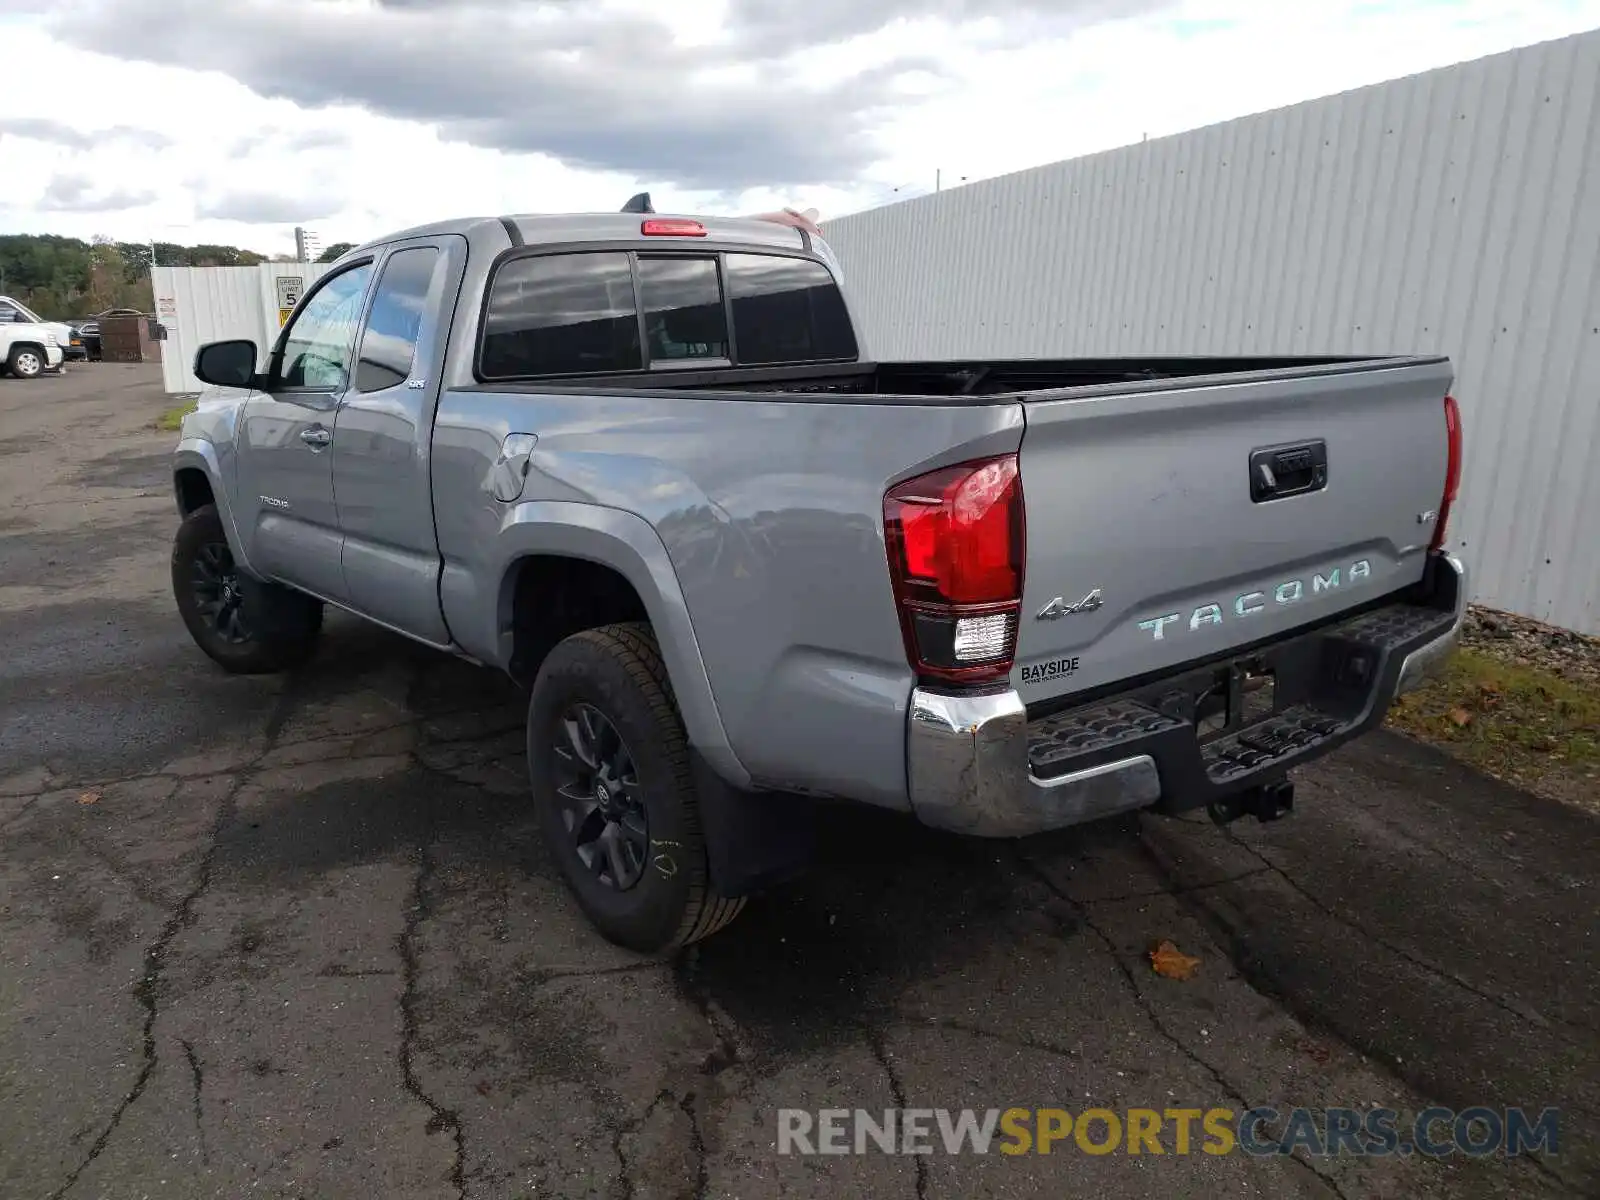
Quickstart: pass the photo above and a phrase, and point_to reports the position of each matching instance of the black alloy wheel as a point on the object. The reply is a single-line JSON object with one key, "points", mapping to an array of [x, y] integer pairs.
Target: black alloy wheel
{"points": [[218, 596], [245, 625], [618, 812], [602, 806]]}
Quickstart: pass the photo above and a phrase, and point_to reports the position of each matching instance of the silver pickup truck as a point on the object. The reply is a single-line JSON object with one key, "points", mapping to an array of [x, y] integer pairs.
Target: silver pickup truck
{"points": [[644, 465]]}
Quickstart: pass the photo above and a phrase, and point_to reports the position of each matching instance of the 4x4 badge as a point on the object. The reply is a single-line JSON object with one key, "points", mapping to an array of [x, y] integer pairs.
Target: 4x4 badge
{"points": [[1060, 608]]}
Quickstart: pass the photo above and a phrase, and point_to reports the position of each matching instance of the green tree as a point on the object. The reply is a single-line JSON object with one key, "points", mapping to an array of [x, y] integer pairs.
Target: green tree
{"points": [[335, 250], [61, 278], [46, 272]]}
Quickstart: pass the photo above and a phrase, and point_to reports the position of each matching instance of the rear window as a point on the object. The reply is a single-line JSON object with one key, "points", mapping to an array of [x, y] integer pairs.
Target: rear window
{"points": [[683, 313], [569, 314]]}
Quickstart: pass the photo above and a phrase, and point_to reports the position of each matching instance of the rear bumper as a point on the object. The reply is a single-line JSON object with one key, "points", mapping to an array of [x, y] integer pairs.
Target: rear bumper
{"points": [[978, 765]]}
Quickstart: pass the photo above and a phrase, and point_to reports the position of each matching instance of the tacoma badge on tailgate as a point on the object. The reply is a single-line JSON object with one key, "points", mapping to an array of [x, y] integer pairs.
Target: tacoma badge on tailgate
{"points": [[1250, 603]]}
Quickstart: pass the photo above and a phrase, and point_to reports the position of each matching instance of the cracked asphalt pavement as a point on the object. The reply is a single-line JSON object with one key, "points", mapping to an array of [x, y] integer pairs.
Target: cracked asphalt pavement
{"points": [[296, 937]]}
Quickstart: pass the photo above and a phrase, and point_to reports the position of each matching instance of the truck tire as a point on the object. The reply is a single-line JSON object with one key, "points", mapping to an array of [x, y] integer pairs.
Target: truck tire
{"points": [[609, 763], [25, 362], [248, 627]]}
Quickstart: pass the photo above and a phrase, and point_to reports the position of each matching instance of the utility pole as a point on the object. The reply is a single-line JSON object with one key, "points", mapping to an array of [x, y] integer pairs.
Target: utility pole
{"points": [[300, 245]]}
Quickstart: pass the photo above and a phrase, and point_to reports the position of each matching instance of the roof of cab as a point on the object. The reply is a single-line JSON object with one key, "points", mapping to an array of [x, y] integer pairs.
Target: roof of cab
{"points": [[536, 228], [461, 225], [611, 227]]}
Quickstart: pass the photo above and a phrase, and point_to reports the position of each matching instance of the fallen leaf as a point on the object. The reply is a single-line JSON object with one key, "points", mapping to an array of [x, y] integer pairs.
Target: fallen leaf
{"points": [[1460, 717], [1316, 1051], [88, 797], [1171, 962]]}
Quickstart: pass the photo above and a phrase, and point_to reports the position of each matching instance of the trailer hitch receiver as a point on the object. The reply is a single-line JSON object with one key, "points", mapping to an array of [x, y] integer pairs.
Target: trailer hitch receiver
{"points": [[1264, 802]]}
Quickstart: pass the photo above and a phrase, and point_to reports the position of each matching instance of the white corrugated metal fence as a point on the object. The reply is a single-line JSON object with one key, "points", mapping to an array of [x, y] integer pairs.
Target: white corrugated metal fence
{"points": [[208, 304], [1456, 211]]}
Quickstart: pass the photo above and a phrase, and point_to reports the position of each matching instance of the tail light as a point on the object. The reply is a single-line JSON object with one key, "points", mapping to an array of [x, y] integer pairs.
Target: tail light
{"points": [[1452, 471], [956, 549]]}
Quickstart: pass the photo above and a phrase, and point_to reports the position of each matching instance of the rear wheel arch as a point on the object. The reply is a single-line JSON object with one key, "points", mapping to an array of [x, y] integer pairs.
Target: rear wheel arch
{"points": [[630, 551], [546, 598]]}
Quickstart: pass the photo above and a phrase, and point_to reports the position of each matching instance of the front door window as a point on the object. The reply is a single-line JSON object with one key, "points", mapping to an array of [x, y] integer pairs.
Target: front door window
{"points": [[321, 339]]}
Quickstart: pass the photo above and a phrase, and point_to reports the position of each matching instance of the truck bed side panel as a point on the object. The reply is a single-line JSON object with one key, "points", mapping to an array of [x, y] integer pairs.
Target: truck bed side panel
{"points": [[772, 514]]}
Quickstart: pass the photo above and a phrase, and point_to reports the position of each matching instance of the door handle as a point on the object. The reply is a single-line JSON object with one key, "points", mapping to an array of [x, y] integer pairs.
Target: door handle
{"points": [[316, 437], [1277, 472]]}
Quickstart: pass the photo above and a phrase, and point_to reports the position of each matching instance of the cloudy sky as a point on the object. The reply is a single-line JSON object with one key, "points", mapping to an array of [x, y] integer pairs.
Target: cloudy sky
{"points": [[232, 120]]}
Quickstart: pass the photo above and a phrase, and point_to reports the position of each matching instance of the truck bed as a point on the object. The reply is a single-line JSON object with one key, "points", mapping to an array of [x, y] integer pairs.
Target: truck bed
{"points": [[1176, 508]]}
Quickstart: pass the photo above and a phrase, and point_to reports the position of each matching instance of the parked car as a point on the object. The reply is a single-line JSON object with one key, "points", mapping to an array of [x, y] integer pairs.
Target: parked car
{"points": [[30, 345], [645, 465], [89, 337]]}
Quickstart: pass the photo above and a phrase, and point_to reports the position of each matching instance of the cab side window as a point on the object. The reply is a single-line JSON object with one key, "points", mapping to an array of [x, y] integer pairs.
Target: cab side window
{"points": [[389, 342], [561, 314], [321, 339]]}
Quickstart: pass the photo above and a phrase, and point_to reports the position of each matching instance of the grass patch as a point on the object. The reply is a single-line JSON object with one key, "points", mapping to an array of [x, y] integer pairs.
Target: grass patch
{"points": [[1517, 721], [172, 419]]}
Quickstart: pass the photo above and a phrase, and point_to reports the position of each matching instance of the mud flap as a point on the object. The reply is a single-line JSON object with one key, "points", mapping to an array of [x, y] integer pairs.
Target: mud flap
{"points": [[753, 839]]}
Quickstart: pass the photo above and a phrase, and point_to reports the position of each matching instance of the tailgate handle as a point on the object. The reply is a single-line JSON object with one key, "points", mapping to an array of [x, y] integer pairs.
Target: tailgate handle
{"points": [[1277, 472]]}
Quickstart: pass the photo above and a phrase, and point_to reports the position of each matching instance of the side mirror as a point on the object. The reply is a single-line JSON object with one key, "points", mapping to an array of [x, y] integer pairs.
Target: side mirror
{"points": [[226, 364]]}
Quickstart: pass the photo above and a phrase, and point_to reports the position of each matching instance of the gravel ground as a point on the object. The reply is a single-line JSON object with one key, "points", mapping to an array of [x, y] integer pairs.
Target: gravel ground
{"points": [[1521, 701], [1526, 642]]}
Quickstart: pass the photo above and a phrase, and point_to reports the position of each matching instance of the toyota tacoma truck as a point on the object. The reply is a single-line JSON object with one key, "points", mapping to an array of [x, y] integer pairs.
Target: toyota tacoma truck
{"points": [[645, 465]]}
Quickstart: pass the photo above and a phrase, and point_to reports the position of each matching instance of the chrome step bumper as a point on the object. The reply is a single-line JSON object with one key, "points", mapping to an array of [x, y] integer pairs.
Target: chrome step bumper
{"points": [[977, 765]]}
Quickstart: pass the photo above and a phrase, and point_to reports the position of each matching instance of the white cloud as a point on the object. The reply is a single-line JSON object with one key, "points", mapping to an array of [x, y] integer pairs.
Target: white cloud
{"points": [[887, 93]]}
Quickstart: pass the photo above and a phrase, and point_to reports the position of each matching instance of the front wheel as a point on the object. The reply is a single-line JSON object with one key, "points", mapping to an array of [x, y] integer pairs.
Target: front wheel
{"points": [[25, 362], [617, 808], [246, 626]]}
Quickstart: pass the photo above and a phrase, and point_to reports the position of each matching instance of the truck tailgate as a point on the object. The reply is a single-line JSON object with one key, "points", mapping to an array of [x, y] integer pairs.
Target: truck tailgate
{"points": [[1155, 536]]}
